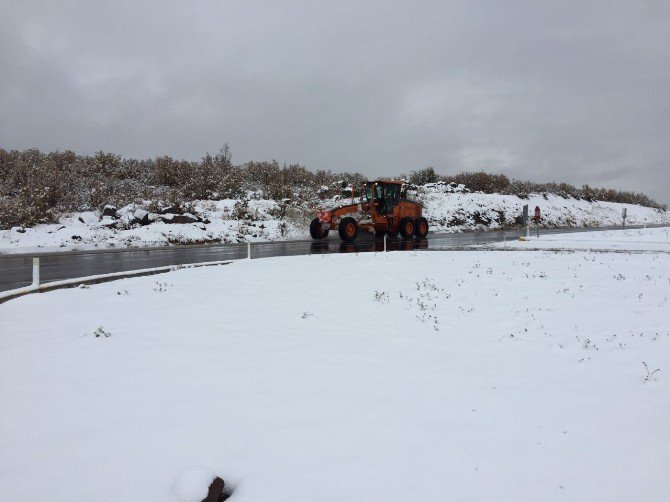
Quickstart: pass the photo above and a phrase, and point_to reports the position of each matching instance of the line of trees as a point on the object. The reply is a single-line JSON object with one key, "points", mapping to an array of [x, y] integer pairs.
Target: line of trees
{"points": [[499, 183], [38, 187]]}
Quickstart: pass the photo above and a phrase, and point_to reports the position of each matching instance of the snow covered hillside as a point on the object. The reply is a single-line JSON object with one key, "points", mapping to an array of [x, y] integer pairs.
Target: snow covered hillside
{"points": [[430, 376], [466, 211], [447, 210]]}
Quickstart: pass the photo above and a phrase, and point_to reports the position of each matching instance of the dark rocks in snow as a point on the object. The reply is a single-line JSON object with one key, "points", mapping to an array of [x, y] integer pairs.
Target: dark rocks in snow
{"points": [[217, 491], [178, 218], [141, 216], [170, 210], [88, 218], [443, 186], [128, 220], [109, 211], [20, 230], [108, 222], [76, 237], [130, 216]]}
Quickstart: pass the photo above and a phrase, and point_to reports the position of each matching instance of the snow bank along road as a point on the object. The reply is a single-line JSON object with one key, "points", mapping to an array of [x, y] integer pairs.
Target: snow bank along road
{"points": [[16, 270], [473, 376]]}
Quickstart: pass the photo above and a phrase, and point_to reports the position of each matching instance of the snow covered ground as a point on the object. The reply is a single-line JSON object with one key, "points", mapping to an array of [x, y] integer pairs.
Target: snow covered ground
{"points": [[647, 239], [465, 376], [70, 233], [267, 220]]}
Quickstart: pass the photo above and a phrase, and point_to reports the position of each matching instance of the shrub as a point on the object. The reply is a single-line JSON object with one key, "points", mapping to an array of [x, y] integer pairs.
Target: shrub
{"points": [[481, 181], [423, 176]]}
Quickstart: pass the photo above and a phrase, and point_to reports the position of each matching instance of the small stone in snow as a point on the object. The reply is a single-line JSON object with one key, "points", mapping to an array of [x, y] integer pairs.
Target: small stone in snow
{"points": [[109, 211]]}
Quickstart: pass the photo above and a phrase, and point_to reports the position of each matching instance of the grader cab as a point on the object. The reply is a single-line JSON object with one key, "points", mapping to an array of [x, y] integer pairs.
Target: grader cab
{"points": [[381, 209]]}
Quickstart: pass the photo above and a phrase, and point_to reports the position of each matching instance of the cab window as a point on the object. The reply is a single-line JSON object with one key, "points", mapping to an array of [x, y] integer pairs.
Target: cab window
{"points": [[391, 193], [368, 193]]}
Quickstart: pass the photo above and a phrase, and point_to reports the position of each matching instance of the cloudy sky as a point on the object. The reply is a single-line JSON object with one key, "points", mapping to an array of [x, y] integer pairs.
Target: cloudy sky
{"points": [[562, 91]]}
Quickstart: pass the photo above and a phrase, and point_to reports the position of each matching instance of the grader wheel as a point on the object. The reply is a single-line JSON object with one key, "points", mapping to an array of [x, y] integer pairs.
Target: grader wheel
{"points": [[421, 226], [407, 228], [316, 230], [348, 229]]}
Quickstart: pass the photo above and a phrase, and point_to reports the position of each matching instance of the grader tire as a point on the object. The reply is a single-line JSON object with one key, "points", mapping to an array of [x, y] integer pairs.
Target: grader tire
{"points": [[421, 227], [407, 228], [316, 231], [348, 229]]}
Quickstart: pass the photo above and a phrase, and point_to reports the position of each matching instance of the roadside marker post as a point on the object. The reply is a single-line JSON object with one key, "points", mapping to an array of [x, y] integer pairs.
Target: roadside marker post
{"points": [[36, 272], [624, 211], [248, 250], [525, 220], [385, 243]]}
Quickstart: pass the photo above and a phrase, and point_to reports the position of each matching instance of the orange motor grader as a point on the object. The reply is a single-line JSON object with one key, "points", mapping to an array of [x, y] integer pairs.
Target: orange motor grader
{"points": [[381, 209]]}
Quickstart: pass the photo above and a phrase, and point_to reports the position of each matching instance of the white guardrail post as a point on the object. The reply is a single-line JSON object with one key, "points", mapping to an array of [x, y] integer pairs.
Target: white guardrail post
{"points": [[248, 250], [36, 272]]}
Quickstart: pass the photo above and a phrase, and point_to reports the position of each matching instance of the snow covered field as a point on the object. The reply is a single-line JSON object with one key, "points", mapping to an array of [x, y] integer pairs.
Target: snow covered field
{"points": [[647, 239], [266, 220], [465, 376]]}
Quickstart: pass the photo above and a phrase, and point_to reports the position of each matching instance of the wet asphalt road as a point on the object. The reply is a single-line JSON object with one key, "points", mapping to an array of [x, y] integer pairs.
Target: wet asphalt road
{"points": [[16, 269]]}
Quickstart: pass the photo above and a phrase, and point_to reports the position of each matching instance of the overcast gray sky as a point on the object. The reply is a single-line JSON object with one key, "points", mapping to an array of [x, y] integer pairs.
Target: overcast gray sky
{"points": [[562, 91]]}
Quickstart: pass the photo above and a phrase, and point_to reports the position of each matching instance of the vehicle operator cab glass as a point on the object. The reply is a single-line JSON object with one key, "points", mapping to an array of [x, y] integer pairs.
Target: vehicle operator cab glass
{"points": [[391, 197], [384, 196], [376, 191], [368, 193]]}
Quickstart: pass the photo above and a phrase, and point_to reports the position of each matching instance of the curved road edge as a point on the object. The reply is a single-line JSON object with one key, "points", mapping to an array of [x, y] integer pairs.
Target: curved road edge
{"points": [[5, 296]]}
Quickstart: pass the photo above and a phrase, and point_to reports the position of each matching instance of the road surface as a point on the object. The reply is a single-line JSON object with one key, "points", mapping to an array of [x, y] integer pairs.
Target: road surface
{"points": [[16, 269]]}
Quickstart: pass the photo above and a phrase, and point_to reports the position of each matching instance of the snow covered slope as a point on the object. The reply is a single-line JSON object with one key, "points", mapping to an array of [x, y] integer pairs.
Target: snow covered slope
{"points": [[467, 211], [264, 220], [507, 376]]}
